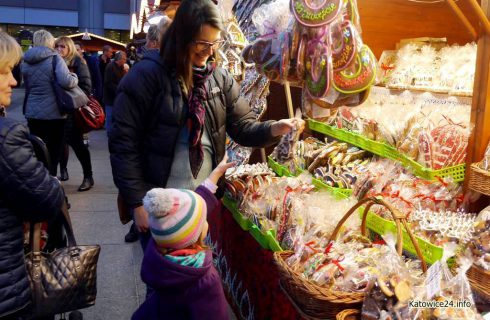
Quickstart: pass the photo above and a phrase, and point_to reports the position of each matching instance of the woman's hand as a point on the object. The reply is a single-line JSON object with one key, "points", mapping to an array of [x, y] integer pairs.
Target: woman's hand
{"points": [[141, 219], [220, 169], [284, 126]]}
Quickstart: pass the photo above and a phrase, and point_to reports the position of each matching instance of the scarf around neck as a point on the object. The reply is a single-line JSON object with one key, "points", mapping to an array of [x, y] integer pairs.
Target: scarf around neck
{"points": [[197, 114]]}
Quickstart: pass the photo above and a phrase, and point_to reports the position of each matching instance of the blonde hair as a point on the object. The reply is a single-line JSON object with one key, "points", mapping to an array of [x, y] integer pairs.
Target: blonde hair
{"points": [[43, 38], [72, 50], [10, 51]]}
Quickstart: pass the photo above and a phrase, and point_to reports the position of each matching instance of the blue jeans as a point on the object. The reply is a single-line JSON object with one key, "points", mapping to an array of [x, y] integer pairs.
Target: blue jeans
{"points": [[108, 119]]}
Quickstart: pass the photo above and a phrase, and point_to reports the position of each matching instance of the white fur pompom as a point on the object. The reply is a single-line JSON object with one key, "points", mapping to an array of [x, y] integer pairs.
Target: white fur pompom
{"points": [[158, 202]]}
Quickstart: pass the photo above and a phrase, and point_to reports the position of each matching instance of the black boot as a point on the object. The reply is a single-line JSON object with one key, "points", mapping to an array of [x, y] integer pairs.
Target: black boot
{"points": [[87, 184], [64, 174], [132, 235]]}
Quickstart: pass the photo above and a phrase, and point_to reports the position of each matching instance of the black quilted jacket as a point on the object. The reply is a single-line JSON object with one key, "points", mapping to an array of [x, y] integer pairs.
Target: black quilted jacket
{"points": [[149, 112], [83, 73], [27, 193]]}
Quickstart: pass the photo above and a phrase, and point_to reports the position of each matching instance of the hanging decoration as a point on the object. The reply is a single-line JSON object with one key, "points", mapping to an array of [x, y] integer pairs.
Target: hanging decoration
{"points": [[321, 49]]}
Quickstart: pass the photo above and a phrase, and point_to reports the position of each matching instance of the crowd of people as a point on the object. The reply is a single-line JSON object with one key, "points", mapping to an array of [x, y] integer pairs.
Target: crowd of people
{"points": [[167, 120]]}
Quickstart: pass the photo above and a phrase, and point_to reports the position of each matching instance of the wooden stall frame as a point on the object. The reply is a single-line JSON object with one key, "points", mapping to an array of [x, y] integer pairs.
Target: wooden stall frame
{"points": [[463, 18], [480, 108]]}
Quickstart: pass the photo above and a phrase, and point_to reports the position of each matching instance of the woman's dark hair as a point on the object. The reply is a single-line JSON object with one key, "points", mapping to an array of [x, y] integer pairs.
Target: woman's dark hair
{"points": [[189, 18]]}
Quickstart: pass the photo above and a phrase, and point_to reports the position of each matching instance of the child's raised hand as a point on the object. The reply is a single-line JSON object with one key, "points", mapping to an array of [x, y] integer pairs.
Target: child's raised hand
{"points": [[220, 169], [225, 165]]}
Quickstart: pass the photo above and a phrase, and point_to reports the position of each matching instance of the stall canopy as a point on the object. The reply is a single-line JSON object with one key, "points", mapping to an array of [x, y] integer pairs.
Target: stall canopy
{"points": [[93, 42]]}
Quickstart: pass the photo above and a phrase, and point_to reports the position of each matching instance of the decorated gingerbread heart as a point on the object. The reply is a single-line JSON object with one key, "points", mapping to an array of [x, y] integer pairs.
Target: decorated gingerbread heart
{"points": [[450, 144], [351, 13], [359, 75], [284, 39], [316, 13], [318, 65], [343, 45], [301, 58]]}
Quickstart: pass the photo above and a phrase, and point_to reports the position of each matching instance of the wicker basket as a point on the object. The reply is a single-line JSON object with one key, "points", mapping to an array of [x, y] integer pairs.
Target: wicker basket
{"points": [[479, 281], [349, 314], [479, 179], [315, 301]]}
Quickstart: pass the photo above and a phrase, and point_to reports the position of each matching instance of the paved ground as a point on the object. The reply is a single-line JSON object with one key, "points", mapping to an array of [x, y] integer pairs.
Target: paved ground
{"points": [[95, 221]]}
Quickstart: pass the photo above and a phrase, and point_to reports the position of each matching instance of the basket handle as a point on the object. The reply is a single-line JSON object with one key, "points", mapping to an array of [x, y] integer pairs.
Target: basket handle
{"points": [[398, 217]]}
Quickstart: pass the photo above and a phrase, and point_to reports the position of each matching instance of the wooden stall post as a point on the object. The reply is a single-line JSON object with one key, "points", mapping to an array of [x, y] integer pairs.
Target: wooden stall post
{"points": [[462, 18], [289, 100], [480, 109]]}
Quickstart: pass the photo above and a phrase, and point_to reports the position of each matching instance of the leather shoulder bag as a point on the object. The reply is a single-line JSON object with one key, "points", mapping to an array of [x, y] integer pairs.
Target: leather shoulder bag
{"points": [[91, 116], [68, 99], [65, 279]]}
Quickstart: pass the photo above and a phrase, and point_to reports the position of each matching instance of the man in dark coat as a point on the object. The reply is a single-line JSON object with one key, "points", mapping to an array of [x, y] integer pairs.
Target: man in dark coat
{"points": [[114, 72], [93, 66], [105, 59]]}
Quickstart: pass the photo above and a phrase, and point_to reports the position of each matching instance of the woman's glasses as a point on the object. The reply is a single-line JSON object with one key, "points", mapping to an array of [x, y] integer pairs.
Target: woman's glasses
{"points": [[205, 45], [62, 46]]}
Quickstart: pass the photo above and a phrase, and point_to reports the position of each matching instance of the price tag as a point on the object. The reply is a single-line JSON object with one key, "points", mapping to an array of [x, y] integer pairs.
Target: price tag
{"points": [[331, 96], [433, 280], [318, 112]]}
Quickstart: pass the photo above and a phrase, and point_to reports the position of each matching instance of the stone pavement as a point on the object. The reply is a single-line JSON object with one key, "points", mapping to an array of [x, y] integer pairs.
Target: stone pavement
{"points": [[96, 221]]}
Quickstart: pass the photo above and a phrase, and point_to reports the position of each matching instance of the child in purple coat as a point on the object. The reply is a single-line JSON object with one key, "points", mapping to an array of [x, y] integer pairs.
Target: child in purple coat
{"points": [[177, 264]]}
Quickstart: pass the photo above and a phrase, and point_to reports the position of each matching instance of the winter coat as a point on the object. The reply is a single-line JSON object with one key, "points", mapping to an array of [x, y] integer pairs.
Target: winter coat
{"points": [[37, 70], [102, 66], [27, 193], [149, 113], [182, 292], [113, 75], [96, 77], [80, 68]]}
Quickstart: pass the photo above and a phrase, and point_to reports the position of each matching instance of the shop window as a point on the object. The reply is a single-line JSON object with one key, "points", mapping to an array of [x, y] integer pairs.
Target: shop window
{"points": [[117, 35]]}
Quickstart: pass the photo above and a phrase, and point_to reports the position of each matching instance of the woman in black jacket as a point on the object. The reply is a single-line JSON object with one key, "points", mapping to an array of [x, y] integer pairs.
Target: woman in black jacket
{"points": [[27, 191], [74, 136], [174, 108]]}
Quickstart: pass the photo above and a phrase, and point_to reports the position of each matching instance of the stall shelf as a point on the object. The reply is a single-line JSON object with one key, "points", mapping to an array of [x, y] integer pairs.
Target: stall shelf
{"points": [[387, 151]]}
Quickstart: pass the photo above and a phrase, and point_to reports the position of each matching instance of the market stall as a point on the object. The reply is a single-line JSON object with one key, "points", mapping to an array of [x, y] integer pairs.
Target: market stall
{"points": [[95, 43], [370, 208]]}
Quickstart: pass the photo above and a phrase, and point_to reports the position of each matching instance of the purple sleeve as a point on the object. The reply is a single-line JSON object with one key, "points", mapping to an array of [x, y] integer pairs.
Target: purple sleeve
{"points": [[210, 199]]}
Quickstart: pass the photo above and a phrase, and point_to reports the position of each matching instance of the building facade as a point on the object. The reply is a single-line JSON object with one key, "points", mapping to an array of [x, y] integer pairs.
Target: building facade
{"points": [[107, 18]]}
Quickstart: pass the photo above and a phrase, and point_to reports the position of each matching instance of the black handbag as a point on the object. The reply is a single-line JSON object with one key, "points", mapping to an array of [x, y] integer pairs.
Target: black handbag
{"points": [[65, 279], [68, 99]]}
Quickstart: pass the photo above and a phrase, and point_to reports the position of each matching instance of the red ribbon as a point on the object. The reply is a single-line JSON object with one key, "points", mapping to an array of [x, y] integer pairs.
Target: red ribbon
{"points": [[310, 245], [328, 248], [442, 181], [386, 68], [337, 263]]}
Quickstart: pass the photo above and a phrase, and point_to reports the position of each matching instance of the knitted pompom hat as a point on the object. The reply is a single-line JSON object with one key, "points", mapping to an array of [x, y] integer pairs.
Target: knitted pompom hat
{"points": [[176, 216]]}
